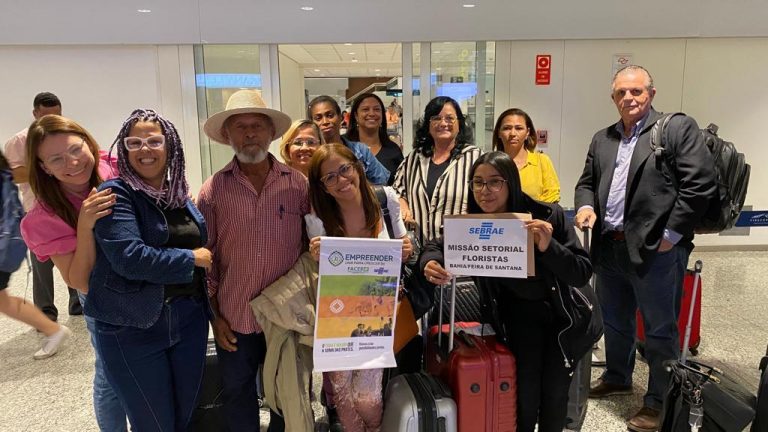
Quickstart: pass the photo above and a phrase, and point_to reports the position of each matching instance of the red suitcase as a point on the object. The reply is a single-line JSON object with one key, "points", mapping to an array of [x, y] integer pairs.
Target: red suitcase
{"points": [[481, 373], [682, 321]]}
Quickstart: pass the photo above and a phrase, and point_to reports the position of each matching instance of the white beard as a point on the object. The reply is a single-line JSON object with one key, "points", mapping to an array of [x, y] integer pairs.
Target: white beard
{"points": [[252, 157]]}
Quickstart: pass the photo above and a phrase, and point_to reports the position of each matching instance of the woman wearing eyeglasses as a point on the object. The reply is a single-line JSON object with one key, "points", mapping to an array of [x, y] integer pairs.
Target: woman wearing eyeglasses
{"points": [[369, 126], [66, 166], [147, 289], [515, 135], [326, 113], [432, 181], [345, 206], [299, 144], [535, 317]]}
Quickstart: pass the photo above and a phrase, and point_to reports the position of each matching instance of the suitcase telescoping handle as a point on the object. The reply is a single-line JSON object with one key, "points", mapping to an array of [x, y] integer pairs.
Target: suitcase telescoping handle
{"points": [[451, 316], [694, 295]]}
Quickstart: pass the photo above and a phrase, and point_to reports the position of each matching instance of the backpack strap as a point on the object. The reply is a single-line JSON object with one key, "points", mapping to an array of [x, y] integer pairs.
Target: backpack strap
{"points": [[381, 196], [659, 133]]}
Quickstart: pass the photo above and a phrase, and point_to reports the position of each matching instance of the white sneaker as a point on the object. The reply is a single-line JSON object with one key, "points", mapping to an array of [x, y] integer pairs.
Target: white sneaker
{"points": [[52, 343]]}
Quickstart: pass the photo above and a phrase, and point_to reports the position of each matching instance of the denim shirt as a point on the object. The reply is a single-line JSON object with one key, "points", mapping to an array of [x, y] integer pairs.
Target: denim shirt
{"points": [[126, 286], [374, 170]]}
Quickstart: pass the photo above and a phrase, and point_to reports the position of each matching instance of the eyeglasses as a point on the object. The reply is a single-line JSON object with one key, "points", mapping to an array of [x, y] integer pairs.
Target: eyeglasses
{"points": [[59, 161], [135, 143], [311, 143], [448, 119], [332, 178], [494, 185]]}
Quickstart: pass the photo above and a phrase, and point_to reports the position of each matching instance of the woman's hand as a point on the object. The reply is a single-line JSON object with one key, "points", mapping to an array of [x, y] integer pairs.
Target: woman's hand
{"points": [[314, 248], [405, 213], [203, 258], [436, 274], [542, 233], [95, 206], [407, 248]]}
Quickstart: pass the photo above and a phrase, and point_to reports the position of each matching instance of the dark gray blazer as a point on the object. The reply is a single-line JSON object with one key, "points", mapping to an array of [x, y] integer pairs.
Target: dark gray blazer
{"points": [[660, 194]]}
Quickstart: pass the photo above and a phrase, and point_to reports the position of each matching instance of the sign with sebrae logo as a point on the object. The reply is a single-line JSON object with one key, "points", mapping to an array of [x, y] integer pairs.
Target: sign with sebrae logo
{"points": [[495, 245]]}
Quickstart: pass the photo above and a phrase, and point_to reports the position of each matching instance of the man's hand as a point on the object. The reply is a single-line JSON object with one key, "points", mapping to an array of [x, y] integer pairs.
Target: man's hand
{"points": [[585, 218], [223, 335], [665, 245]]}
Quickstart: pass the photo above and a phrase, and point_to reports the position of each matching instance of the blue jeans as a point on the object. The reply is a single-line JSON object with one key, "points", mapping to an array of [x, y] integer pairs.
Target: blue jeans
{"points": [[657, 294], [157, 372], [110, 415], [239, 371]]}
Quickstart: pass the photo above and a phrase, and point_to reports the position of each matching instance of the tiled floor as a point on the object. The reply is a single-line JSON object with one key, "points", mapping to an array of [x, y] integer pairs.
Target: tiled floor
{"points": [[55, 394]]}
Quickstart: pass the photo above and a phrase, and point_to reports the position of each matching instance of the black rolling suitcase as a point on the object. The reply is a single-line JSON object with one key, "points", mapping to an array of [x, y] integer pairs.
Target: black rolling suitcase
{"points": [[760, 424], [578, 394], [209, 413]]}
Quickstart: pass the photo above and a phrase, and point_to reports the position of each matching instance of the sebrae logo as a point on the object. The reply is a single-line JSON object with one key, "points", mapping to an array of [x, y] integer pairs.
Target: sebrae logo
{"points": [[380, 270], [486, 230], [336, 258]]}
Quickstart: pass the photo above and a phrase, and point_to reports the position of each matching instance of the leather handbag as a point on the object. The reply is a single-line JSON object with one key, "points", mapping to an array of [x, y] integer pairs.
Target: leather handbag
{"points": [[405, 325]]}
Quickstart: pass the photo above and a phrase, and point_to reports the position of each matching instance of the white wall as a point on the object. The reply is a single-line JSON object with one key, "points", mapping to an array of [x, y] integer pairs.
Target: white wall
{"points": [[292, 88], [336, 87], [99, 86], [714, 80]]}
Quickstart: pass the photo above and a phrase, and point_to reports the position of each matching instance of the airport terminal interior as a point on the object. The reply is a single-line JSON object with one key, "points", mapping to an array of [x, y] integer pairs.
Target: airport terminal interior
{"points": [[556, 61]]}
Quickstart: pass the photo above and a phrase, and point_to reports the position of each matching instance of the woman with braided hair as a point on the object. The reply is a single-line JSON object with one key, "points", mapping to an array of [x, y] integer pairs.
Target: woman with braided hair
{"points": [[147, 289]]}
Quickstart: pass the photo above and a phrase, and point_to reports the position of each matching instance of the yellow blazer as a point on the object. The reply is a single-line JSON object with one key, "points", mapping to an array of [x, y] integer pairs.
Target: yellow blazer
{"points": [[539, 179]]}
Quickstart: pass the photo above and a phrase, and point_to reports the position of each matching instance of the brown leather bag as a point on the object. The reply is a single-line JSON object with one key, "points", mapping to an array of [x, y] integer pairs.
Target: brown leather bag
{"points": [[405, 325]]}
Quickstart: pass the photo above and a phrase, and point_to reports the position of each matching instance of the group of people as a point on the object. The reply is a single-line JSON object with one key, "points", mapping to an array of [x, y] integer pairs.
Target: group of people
{"points": [[153, 267]]}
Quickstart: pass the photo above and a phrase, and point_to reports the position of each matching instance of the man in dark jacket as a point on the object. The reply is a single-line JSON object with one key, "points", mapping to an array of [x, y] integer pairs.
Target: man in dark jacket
{"points": [[643, 207]]}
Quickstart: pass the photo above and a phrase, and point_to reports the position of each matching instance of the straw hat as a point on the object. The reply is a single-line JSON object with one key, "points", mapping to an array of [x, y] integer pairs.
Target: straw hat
{"points": [[245, 102]]}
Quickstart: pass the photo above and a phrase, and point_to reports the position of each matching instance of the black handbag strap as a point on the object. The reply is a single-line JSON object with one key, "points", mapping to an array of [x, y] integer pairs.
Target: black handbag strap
{"points": [[381, 196]]}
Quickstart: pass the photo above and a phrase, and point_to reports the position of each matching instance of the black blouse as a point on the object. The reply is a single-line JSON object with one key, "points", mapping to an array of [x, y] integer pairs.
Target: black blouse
{"points": [[183, 233]]}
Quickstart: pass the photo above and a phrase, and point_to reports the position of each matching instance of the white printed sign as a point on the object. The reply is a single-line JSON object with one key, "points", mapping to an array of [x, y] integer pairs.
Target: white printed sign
{"points": [[357, 294], [488, 245]]}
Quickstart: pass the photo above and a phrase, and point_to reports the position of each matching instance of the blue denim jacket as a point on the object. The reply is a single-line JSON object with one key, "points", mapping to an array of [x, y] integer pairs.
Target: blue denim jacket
{"points": [[374, 170], [126, 286]]}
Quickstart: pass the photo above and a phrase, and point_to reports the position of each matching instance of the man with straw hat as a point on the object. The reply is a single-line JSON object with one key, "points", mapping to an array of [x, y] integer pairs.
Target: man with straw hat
{"points": [[254, 208]]}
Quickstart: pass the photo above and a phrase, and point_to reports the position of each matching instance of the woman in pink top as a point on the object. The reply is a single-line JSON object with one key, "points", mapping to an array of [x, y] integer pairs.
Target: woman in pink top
{"points": [[66, 166]]}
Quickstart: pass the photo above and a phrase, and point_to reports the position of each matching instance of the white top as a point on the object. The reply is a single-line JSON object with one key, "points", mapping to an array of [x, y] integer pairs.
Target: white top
{"points": [[315, 225]]}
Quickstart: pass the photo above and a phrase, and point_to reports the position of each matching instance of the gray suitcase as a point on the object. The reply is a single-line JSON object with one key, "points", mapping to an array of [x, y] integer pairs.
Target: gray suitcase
{"points": [[418, 403]]}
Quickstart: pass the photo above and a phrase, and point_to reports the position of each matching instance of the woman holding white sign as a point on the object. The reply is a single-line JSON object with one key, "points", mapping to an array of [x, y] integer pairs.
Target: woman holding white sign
{"points": [[346, 206], [538, 317]]}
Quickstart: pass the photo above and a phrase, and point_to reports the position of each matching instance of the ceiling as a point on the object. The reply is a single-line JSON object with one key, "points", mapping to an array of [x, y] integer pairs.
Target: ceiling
{"points": [[100, 22], [346, 60]]}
